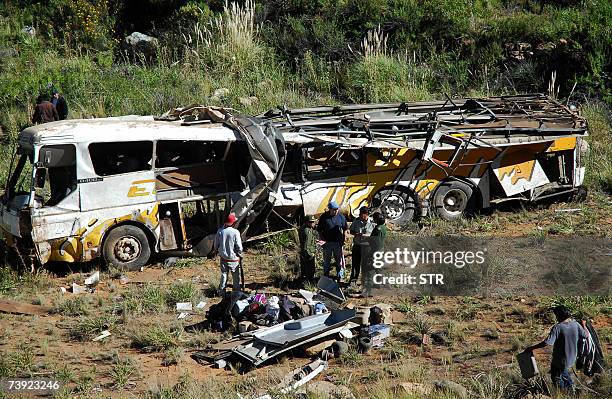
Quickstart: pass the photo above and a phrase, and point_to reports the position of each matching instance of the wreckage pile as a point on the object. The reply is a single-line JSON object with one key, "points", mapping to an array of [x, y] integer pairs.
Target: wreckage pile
{"points": [[320, 322]]}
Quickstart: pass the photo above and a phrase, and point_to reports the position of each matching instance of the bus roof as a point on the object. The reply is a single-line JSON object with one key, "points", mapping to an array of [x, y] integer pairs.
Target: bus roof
{"points": [[123, 128]]}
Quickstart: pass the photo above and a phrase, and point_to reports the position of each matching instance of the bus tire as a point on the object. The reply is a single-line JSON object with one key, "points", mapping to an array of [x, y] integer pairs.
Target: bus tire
{"points": [[453, 200], [127, 247], [398, 206]]}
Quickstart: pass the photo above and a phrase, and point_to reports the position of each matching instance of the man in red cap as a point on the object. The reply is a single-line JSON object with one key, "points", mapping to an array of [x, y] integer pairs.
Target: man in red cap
{"points": [[229, 246]]}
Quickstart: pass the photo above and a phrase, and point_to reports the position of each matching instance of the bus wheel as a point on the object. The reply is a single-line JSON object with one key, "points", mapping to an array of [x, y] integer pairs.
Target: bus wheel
{"points": [[127, 247], [452, 200], [398, 206]]}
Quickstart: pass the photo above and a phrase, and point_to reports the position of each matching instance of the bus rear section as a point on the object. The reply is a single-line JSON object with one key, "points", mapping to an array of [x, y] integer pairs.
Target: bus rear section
{"points": [[446, 158]]}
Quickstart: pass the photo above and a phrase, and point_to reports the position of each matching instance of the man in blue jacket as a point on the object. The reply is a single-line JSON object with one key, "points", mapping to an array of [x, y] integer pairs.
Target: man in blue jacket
{"points": [[332, 229]]}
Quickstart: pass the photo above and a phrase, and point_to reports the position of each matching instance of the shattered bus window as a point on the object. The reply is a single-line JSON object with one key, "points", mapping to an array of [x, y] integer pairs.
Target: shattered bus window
{"points": [[123, 157], [56, 179], [323, 162]]}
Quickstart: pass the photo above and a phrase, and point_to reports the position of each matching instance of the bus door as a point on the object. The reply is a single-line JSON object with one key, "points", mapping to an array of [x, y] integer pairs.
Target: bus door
{"points": [[55, 198]]}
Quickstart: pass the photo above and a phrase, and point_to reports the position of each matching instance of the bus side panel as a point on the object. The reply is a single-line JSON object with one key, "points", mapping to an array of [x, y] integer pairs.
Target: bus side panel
{"points": [[86, 243]]}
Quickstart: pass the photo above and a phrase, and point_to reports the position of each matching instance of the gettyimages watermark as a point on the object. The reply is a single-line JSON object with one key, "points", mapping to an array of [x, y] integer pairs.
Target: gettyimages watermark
{"points": [[410, 259], [459, 265]]}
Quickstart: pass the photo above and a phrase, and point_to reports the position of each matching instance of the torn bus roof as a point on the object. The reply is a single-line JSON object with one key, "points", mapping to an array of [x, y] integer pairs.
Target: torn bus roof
{"points": [[266, 147], [534, 114]]}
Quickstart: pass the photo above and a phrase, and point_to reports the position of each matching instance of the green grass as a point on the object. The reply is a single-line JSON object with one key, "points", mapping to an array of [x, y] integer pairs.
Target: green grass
{"points": [[155, 338], [76, 306]]}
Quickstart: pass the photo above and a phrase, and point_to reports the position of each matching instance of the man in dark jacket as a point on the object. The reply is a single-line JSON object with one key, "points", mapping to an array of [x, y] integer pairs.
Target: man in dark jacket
{"points": [[60, 104], [563, 337], [332, 229], [44, 111]]}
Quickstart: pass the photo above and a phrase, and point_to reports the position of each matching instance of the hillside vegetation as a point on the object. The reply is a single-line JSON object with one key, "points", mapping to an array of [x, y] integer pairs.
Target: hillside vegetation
{"points": [[303, 52]]}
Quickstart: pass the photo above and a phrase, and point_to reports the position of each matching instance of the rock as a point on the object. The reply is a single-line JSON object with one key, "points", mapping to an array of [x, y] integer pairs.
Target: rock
{"points": [[248, 101], [413, 389], [222, 92], [451, 387], [29, 30], [6, 53], [325, 389], [140, 45], [491, 334]]}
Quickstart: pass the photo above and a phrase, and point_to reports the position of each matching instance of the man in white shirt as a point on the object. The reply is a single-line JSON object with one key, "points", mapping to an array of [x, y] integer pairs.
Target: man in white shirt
{"points": [[229, 246]]}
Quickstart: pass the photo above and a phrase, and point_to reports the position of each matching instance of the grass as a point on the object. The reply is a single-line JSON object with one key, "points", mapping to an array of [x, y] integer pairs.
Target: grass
{"points": [[122, 371], [87, 328], [75, 306], [185, 291], [155, 338]]}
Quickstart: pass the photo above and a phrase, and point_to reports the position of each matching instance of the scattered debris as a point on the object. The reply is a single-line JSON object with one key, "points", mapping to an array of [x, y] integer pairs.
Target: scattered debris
{"points": [[568, 210], [103, 335], [272, 341], [170, 261], [298, 378], [184, 306], [93, 279], [378, 333], [528, 365], [78, 289], [220, 364], [123, 279], [201, 305], [182, 315], [9, 306]]}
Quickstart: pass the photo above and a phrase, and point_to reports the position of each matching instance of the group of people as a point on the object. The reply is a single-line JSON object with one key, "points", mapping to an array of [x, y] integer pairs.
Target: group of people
{"points": [[50, 106], [330, 230]]}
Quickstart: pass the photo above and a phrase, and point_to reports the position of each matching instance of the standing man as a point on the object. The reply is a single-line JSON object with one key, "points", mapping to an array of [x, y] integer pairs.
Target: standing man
{"points": [[332, 229], [361, 229], [44, 111], [229, 246], [377, 244], [60, 104], [308, 249], [564, 337]]}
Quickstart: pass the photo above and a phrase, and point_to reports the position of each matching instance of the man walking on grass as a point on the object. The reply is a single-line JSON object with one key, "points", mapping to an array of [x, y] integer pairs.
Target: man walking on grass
{"points": [[229, 246], [332, 229], [564, 338]]}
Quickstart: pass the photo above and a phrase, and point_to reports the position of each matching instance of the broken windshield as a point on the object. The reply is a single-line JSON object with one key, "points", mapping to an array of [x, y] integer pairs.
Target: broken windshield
{"points": [[19, 175]]}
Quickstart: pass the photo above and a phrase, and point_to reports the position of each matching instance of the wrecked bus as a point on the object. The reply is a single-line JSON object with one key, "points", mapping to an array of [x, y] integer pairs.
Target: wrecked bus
{"points": [[446, 158], [125, 188]]}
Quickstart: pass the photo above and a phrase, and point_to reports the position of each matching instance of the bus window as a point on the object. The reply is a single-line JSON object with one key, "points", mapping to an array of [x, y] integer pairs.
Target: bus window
{"points": [[121, 157], [178, 153], [57, 179], [323, 162]]}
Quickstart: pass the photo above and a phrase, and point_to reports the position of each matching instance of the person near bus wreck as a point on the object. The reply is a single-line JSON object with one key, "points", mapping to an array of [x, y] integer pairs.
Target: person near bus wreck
{"points": [[228, 245], [361, 229], [377, 244], [308, 249], [60, 103], [332, 229], [564, 338], [44, 111]]}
